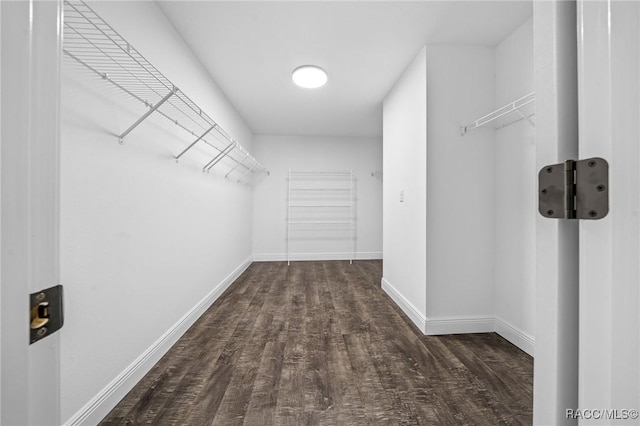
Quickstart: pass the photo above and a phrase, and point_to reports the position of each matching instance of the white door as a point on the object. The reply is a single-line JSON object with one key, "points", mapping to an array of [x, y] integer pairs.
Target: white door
{"points": [[29, 170], [556, 348], [609, 111], [587, 360]]}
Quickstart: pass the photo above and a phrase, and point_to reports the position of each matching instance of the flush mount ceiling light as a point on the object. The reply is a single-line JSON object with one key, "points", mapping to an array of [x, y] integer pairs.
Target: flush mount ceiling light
{"points": [[309, 76]]}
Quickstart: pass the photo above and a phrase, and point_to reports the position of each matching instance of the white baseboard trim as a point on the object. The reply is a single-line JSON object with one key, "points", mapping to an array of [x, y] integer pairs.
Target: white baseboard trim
{"points": [[407, 307], [282, 257], [433, 326], [459, 325], [100, 405], [516, 336]]}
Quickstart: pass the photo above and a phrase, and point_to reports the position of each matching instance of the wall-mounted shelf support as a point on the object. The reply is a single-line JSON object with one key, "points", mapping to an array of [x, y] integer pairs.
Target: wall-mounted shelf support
{"points": [[97, 47], [219, 157], [249, 170], [195, 142], [526, 117], [147, 114], [512, 107], [241, 163]]}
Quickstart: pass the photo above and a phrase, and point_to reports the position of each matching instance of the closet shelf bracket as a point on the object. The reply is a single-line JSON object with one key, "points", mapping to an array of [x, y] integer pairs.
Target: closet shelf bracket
{"points": [[195, 142], [220, 156], [93, 44], [152, 109], [241, 163], [526, 117], [249, 170]]}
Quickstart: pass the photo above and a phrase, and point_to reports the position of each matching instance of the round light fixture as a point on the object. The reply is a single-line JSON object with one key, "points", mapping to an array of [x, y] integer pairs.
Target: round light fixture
{"points": [[309, 76]]}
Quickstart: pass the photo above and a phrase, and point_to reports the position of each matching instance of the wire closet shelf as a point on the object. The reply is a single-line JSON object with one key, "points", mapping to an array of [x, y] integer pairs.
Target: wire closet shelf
{"points": [[93, 43], [518, 106]]}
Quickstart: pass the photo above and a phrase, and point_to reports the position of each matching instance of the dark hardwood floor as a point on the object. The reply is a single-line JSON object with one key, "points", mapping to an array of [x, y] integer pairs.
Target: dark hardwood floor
{"points": [[319, 343]]}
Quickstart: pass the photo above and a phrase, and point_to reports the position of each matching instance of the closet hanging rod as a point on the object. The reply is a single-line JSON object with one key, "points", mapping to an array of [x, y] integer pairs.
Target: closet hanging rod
{"points": [[321, 189], [321, 173], [94, 44], [320, 222], [514, 106]]}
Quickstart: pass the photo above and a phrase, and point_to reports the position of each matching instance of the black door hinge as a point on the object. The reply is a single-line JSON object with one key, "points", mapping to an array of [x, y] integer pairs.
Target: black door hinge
{"points": [[574, 189]]}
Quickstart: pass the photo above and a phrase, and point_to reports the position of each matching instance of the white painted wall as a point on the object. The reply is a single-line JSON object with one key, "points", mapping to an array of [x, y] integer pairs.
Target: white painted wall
{"points": [[405, 170], [516, 190], [143, 239], [278, 153], [460, 188], [479, 222]]}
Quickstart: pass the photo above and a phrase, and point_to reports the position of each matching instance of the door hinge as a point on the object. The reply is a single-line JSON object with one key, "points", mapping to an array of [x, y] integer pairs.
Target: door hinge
{"points": [[46, 314], [574, 189]]}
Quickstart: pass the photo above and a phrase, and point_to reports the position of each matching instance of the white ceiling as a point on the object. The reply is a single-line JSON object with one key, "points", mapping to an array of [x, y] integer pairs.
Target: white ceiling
{"points": [[250, 49]]}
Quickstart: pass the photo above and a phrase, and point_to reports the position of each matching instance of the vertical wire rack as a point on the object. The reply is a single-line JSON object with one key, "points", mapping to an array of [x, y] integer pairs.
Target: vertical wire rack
{"points": [[94, 44], [321, 203]]}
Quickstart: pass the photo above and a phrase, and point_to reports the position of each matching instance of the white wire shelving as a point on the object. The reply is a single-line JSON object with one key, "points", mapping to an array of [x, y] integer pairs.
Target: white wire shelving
{"points": [[321, 207], [94, 44], [523, 107]]}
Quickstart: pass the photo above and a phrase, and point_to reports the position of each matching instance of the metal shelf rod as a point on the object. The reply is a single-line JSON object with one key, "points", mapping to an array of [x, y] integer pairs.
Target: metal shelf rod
{"points": [[321, 223], [352, 219], [219, 157], [194, 142], [288, 215], [321, 189], [147, 114], [320, 173]]}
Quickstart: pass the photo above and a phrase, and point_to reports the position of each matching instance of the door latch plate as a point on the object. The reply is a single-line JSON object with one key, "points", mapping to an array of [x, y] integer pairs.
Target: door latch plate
{"points": [[46, 314], [574, 189]]}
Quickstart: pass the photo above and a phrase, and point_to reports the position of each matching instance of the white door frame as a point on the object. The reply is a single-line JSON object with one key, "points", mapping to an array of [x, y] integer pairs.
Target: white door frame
{"points": [[556, 349], [609, 93], [587, 356], [29, 199]]}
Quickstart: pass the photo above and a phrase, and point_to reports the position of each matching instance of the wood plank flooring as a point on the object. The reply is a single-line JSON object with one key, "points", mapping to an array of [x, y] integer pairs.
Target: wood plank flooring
{"points": [[319, 343]]}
